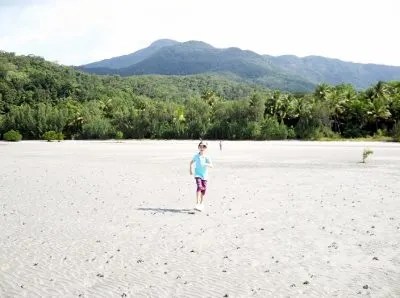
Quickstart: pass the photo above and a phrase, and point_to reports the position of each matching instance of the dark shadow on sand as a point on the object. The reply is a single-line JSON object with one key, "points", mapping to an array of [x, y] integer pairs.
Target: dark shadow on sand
{"points": [[163, 210]]}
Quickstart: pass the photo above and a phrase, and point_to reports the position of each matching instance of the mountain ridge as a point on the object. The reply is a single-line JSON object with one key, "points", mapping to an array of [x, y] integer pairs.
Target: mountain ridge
{"points": [[285, 72]]}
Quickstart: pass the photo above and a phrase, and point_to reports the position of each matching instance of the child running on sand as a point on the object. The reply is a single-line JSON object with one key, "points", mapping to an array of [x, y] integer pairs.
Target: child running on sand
{"points": [[202, 162]]}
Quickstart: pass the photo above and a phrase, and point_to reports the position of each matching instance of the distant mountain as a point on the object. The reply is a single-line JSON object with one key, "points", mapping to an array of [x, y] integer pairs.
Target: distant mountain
{"points": [[130, 59], [291, 73], [333, 71]]}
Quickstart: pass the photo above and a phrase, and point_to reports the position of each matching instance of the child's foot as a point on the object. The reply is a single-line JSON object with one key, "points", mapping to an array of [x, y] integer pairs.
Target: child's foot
{"points": [[200, 207]]}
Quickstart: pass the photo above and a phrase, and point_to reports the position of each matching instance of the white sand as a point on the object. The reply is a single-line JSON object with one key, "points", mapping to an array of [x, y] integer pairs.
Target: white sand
{"points": [[107, 219]]}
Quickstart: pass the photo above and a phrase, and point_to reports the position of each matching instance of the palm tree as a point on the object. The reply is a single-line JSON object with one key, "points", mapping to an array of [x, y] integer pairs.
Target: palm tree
{"points": [[323, 92], [283, 107], [380, 90], [339, 98], [379, 102], [378, 109]]}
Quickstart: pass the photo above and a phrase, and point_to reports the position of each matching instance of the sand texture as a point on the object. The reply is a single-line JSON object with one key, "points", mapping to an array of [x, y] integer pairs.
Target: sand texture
{"points": [[282, 219]]}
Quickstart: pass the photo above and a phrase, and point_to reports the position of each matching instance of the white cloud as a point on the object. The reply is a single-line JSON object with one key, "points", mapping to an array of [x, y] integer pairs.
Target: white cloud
{"points": [[76, 32]]}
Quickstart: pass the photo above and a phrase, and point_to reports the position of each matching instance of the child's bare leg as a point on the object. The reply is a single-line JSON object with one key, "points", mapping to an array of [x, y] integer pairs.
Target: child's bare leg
{"points": [[203, 192], [199, 197]]}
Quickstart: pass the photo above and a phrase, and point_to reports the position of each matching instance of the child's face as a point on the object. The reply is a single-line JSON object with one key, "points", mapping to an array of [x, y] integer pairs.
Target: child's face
{"points": [[202, 148]]}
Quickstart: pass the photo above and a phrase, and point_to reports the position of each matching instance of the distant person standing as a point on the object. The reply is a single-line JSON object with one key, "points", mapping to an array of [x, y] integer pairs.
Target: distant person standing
{"points": [[201, 164], [220, 145]]}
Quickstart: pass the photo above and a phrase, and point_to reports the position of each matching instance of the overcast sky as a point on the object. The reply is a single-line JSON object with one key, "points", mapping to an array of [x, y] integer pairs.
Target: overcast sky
{"points": [[82, 31]]}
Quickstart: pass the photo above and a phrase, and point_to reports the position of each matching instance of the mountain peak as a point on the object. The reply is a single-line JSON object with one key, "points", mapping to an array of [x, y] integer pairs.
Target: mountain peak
{"points": [[163, 43], [197, 44]]}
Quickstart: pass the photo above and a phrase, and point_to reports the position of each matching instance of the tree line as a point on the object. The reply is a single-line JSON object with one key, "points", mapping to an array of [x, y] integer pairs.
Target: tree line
{"points": [[37, 96]]}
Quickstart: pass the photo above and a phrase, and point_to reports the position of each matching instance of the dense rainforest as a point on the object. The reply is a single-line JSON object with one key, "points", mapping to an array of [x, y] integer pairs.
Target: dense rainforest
{"points": [[38, 96]]}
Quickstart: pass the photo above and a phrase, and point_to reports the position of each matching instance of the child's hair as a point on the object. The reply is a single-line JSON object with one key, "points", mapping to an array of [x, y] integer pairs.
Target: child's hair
{"points": [[205, 144]]}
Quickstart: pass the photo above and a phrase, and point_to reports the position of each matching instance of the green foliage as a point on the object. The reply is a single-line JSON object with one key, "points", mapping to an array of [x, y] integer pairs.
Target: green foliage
{"points": [[2, 128], [38, 97], [366, 153], [12, 136], [97, 128], [273, 130], [396, 132], [315, 123], [53, 136], [119, 135]]}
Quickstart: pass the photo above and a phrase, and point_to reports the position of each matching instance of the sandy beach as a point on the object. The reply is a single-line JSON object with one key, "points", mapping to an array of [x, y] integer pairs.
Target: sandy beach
{"points": [[282, 219]]}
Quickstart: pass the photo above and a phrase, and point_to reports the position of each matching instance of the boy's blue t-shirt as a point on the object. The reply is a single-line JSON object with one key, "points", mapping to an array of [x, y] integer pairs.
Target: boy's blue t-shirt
{"points": [[200, 162]]}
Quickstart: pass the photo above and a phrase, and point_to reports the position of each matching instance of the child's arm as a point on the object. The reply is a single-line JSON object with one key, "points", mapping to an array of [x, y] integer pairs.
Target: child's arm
{"points": [[209, 163], [191, 167]]}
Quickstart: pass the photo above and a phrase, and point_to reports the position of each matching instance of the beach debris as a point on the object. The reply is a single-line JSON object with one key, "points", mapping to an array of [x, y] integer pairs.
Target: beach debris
{"points": [[100, 275], [365, 287], [375, 259], [306, 282], [333, 245]]}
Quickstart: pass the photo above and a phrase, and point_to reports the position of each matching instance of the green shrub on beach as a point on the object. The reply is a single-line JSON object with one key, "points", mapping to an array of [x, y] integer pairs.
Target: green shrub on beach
{"points": [[273, 130], [12, 136], [53, 136], [119, 135], [367, 152]]}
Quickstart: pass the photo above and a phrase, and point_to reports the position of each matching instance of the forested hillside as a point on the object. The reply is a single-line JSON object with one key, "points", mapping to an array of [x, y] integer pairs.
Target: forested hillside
{"points": [[37, 96]]}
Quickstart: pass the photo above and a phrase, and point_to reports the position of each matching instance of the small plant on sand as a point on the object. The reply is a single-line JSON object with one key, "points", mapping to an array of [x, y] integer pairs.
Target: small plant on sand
{"points": [[53, 136], [367, 152], [12, 136]]}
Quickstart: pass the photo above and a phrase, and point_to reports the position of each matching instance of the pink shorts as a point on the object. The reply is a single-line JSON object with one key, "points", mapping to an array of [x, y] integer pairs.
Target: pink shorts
{"points": [[201, 185]]}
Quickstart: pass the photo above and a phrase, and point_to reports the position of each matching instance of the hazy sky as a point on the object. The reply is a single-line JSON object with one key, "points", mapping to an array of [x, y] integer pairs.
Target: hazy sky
{"points": [[78, 32]]}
